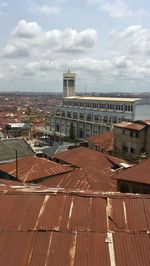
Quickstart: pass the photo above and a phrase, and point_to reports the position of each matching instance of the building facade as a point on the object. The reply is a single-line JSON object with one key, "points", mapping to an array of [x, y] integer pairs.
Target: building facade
{"points": [[94, 115], [69, 84], [15, 130], [131, 140]]}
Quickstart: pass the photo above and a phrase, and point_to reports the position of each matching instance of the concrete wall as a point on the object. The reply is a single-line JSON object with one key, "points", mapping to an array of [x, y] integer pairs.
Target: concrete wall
{"points": [[130, 142]]}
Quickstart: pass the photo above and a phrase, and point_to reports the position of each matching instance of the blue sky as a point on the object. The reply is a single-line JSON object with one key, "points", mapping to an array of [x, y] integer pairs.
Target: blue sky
{"points": [[105, 42]]}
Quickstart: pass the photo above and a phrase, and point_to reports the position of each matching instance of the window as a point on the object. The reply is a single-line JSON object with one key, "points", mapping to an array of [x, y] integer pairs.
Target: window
{"points": [[132, 150], [81, 104], [105, 119], [137, 134], [69, 114], [124, 187], [65, 82], [96, 117], [71, 83], [74, 115], [131, 134], [142, 150], [89, 117], [81, 116], [124, 148]]}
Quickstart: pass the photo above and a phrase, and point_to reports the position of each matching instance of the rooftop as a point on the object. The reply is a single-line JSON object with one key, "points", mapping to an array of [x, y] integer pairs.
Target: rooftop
{"points": [[8, 148], [132, 126], [69, 228], [138, 173], [96, 165], [103, 99], [104, 141], [32, 168]]}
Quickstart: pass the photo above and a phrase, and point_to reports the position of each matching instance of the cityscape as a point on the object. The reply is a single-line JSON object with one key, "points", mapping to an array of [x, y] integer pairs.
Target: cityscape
{"points": [[75, 133]]}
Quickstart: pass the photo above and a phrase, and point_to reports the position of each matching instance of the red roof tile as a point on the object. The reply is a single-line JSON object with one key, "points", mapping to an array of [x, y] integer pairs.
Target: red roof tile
{"points": [[32, 168]]}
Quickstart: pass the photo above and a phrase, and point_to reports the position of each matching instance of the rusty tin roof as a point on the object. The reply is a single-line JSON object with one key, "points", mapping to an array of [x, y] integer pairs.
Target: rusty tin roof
{"points": [[74, 228], [33, 168]]}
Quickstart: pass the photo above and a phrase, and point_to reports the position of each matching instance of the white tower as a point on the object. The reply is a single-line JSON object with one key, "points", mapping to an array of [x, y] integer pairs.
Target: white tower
{"points": [[69, 84]]}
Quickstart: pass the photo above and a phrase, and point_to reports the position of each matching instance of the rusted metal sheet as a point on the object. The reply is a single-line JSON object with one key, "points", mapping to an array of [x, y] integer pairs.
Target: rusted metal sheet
{"points": [[19, 212], [74, 228], [76, 179], [138, 173], [128, 125], [61, 249], [104, 140], [32, 168], [132, 249], [137, 214], [97, 168], [115, 214], [51, 212], [91, 249]]}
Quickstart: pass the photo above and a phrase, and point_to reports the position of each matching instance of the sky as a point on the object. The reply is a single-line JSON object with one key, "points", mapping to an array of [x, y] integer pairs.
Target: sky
{"points": [[105, 42]]}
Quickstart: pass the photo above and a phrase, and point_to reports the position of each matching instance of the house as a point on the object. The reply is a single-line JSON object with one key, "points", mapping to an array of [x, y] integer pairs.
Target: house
{"points": [[135, 179], [131, 140], [102, 142], [15, 130]]}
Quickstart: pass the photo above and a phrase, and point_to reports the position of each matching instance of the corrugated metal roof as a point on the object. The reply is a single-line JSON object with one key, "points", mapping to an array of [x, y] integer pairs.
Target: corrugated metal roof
{"points": [[74, 211], [132, 249], [8, 148], [133, 126], [97, 168], [70, 228], [32, 168], [104, 141], [82, 180], [138, 173]]}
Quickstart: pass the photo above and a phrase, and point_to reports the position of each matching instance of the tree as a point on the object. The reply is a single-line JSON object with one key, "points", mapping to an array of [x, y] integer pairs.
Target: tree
{"points": [[72, 133]]}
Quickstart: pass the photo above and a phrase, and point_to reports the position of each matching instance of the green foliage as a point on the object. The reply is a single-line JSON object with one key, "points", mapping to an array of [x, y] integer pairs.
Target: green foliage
{"points": [[72, 133]]}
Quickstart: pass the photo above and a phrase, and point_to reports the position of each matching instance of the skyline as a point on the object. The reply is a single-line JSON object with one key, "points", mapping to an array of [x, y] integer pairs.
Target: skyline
{"points": [[106, 43]]}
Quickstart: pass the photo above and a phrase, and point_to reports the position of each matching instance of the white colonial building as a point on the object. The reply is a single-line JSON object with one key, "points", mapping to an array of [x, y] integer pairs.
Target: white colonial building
{"points": [[94, 115]]}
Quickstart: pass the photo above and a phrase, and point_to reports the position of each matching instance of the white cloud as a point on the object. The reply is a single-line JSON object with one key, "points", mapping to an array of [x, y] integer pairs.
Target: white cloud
{"points": [[117, 8], [39, 54], [71, 40], [16, 51], [134, 40], [45, 9], [29, 38], [26, 29]]}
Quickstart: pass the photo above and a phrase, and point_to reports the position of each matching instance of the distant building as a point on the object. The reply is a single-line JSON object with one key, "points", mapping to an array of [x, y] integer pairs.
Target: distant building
{"points": [[68, 84], [15, 130], [132, 140], [94, 115]]}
